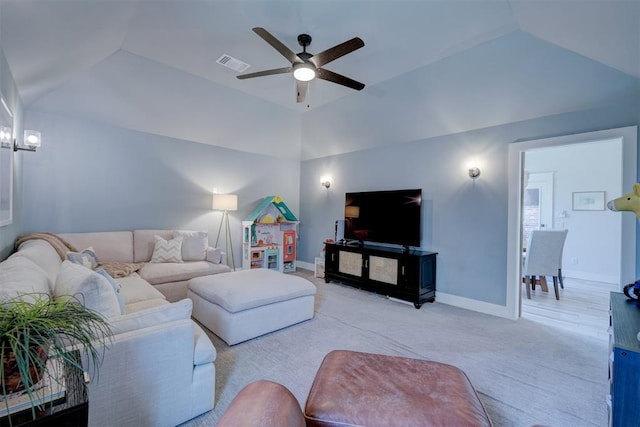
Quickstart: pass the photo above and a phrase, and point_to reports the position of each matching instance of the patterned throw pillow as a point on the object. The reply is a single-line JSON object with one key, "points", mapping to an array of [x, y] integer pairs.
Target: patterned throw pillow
{"points": [[167, 250], [87, 258]]}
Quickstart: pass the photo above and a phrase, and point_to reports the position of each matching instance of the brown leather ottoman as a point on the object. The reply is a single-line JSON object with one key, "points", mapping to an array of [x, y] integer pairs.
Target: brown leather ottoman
{"points": [[363, 389]]}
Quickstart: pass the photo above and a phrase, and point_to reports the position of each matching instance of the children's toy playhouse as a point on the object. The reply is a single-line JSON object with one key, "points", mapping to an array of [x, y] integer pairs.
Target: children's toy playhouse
{"points": [[269, 236]]}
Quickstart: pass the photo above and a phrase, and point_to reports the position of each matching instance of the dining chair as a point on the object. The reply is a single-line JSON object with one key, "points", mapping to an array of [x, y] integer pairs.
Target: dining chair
{"points": [[544, 258]]}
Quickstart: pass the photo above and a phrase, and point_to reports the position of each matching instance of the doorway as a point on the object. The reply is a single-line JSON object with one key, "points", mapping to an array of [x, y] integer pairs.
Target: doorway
{"points": [[627, 170], [591, 257]]}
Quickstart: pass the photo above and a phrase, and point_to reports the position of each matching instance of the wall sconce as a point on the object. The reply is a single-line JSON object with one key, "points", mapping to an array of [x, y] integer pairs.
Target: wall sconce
{"points": [[32, 140], [325, 181], [473, 169]]}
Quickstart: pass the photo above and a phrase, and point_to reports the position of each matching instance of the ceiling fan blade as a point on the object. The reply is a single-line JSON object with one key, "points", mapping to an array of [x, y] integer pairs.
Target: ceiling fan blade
{"points": [[301, 90], [277, 45], [265, 73], [337, 51], [338, 78]]}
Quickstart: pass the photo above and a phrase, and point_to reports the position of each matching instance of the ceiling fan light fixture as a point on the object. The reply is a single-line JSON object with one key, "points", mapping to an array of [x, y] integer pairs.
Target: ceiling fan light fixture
{"points": [[304, 72]]}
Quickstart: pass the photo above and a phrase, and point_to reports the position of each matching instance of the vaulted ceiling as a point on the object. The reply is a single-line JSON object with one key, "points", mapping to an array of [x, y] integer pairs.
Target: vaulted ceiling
{"points": [[117, 61]]}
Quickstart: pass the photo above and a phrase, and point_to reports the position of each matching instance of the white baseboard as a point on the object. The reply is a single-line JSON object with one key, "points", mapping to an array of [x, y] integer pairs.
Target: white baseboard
{"points": [[473, 305], [582, 275], [456, 301], [306, 265]]}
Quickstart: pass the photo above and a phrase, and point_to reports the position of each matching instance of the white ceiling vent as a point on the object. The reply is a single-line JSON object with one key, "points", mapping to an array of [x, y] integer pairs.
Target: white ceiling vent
{"points": [[233, 63]]}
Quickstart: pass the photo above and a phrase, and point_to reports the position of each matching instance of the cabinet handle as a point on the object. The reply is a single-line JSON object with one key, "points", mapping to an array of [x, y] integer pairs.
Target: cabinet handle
{"points": [[402, 269], [333, 257], [366, 263]]}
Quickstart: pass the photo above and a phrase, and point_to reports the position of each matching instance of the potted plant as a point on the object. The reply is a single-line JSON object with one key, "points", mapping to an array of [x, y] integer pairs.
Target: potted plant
{"points": [[35, 328]]}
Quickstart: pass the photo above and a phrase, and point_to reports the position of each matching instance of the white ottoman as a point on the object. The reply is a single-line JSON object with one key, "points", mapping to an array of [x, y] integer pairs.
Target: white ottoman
{"points": [[241, 305]]}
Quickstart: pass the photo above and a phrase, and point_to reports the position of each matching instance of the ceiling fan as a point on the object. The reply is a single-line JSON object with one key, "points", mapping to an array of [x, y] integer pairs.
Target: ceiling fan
{"points": [[306, 66]]}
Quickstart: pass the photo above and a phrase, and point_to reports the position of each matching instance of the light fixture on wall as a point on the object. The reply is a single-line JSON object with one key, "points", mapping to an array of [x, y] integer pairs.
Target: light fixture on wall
{"points": [[474, 172], [325, 181], [31, 141], [226, 203]]}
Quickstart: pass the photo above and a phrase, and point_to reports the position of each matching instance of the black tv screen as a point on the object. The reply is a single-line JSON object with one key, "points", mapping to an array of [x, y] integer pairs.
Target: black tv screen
{"points": [[392, 217]]}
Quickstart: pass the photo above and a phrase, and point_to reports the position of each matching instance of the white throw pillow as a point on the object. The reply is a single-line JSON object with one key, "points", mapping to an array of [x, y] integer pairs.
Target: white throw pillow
{"points": [[194, 244], [214, 255], [21, 277], [87, 258], [89, 287], [152, 317], [167, 250]]}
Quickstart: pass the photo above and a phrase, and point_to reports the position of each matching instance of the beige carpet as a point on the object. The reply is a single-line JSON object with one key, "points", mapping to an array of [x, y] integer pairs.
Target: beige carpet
{"points": [[524, 372]]}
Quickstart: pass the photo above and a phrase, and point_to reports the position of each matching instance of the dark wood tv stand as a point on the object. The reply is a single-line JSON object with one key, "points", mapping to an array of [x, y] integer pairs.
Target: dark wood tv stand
{"points": [[398, 273]]}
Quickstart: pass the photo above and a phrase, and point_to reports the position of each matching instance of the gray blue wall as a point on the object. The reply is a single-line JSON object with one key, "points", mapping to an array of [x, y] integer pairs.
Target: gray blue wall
{"points": [[465, 220], [92, 177]]}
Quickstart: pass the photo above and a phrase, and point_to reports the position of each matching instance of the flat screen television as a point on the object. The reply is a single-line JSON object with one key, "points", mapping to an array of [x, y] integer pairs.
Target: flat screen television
{"points": [[393, 217]]}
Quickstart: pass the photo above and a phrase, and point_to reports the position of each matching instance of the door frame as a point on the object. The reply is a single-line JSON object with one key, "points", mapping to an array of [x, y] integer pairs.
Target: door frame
{"points": [[629, 136]]}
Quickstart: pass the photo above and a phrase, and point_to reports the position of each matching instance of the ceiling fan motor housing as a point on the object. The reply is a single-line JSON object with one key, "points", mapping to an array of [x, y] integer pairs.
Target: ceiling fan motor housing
{"points": [[304, 40]]}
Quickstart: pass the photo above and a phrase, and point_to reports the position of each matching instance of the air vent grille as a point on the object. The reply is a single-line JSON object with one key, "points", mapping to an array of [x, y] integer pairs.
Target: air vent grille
{"points": [[233, 63]]}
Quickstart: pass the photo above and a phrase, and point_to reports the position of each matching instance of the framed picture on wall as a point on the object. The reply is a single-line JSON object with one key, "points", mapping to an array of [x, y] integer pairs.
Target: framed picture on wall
{"points": [[588, 201]]}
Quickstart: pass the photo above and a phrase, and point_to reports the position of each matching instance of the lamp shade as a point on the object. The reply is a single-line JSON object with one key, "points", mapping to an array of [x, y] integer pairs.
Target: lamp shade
{"points": [[352, 211], [225, 202]]}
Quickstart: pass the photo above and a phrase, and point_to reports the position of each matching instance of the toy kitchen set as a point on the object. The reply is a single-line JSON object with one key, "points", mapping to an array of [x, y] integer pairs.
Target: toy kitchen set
{"points": [[269, 236]]}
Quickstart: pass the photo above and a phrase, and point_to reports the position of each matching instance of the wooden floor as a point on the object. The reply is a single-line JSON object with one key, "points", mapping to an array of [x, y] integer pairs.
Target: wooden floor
{"points": [[583, 307]]}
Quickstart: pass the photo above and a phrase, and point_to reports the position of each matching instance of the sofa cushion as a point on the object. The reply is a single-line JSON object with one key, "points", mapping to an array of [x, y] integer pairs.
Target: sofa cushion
{"points": [[152, 317], [42, 254], [19, 276], [143, 243], [109, 246], [136, 289], [174, 272], [117, 288], [86, 257], [194, 244], [167, 250], [145, 305], [89, 287]]}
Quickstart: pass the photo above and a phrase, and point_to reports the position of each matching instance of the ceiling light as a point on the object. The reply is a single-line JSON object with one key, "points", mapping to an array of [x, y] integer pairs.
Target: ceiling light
{"points": [[304, 72]]}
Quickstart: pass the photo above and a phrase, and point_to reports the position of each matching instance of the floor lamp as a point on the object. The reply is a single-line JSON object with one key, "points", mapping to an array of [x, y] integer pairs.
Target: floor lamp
{"points": [[226, 203]]}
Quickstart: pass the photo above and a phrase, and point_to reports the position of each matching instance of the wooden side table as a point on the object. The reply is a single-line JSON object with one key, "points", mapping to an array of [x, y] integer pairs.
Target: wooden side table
{"points": [[67, 406]]}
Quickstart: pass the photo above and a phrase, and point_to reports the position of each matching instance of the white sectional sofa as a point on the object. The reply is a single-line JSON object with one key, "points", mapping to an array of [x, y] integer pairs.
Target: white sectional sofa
{"points": [[159, 368], [137, 247]]}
